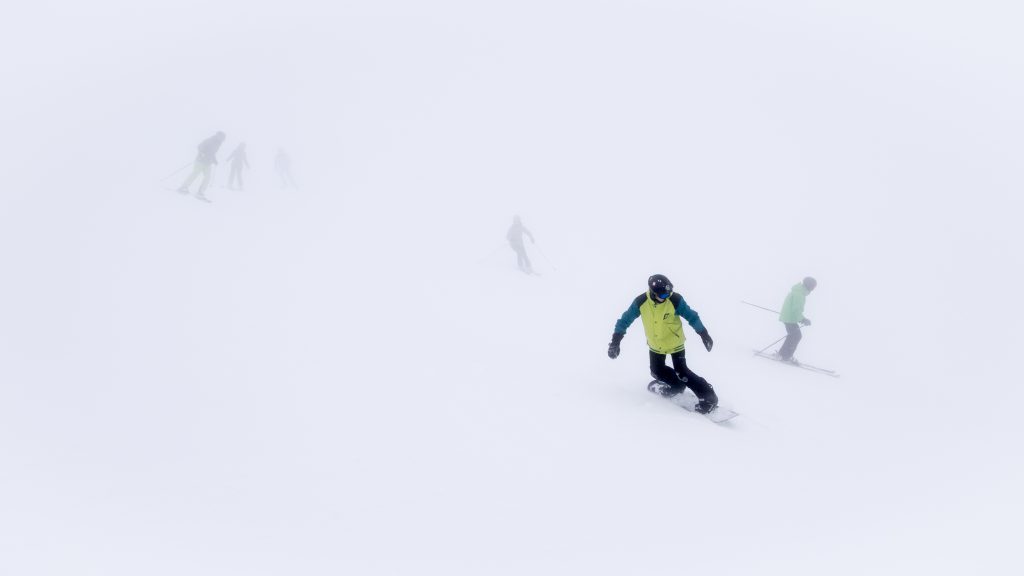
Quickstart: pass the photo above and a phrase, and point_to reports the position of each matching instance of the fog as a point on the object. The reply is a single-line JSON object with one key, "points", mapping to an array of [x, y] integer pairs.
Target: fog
{"points": [[351, 375]]}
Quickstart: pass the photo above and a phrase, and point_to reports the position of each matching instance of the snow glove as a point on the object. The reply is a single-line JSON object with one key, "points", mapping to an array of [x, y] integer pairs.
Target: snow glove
{"points": [[613, 347], [805, 322], [706, 338]]}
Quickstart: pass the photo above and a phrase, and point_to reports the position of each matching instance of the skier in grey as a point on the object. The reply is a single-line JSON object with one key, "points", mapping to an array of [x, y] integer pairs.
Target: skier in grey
{"points": [[205, 160], [239, 160], [515, 240], [792, 315]]}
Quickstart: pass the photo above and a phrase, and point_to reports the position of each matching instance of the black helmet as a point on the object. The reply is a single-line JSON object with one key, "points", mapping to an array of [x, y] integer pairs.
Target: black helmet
{"points": [[810, 283], [660, 286]]}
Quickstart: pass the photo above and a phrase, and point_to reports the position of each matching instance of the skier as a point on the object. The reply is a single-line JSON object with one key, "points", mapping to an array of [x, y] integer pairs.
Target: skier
{"points": [[283, 165], [660, 309], [515, 240], [205, 160], [239, 160], [792, 315]]}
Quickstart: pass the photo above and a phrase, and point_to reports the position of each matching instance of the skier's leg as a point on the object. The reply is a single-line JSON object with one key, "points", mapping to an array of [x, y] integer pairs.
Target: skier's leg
{"points": [[793, 336], [526, 261], [207, 173], [704, 392], [666, 375], [521, 259], [197, 169]]}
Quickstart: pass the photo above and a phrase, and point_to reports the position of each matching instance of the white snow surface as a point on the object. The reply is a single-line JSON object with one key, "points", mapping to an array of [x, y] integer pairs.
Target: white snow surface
{"points": [[353, 378]]}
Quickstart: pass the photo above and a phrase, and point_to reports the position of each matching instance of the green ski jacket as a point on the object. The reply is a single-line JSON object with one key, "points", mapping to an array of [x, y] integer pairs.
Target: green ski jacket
{"points": [[793, 307]]}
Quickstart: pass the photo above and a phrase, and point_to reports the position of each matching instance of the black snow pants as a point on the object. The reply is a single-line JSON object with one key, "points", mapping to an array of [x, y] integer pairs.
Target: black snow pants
{"points": [[682, 377], [793, 336]]}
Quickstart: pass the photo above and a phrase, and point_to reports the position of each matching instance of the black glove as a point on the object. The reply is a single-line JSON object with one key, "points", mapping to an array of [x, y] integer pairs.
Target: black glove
{"points": [[708, 342], [805, 322], [613, 347]]}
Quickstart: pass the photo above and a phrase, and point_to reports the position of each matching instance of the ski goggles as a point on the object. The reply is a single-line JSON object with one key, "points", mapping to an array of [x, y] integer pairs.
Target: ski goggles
{"points": [[665, 295]]}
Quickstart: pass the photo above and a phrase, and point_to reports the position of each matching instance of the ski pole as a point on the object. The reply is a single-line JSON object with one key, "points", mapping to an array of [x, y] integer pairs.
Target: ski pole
{"points": [[545, 256], [761, 307], [176, 171], [761, 351]]}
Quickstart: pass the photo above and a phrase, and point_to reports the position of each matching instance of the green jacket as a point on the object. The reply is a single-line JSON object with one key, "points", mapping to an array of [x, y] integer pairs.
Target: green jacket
{"points": [[793, 307], [661, 321]]}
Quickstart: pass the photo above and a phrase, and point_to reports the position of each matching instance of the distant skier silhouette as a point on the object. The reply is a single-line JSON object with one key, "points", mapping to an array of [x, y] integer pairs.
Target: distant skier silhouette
{"points": [[239, 160], [283, 165], [204, 163], [515, 240]]}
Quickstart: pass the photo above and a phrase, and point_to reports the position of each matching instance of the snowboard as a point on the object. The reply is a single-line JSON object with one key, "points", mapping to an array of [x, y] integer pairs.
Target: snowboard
{"points": [[824, 371], [688, 401]]}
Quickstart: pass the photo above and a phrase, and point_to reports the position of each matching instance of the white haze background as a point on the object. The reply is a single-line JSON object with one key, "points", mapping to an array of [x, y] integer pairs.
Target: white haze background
{"points": [[352, 377]]}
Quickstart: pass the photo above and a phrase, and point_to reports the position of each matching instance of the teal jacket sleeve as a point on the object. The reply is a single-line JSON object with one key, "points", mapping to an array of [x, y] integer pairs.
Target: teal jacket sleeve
{"points": [[631, 314], [688, 314]]}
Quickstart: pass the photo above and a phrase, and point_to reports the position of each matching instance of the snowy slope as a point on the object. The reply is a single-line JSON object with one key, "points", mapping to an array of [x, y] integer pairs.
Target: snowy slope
{"points": [[353, 378], [259, 395]]}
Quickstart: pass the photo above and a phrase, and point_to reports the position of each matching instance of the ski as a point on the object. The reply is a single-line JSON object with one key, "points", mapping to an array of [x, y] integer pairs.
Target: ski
{"points": [[186, 193], [817, 369], [687, 400]]}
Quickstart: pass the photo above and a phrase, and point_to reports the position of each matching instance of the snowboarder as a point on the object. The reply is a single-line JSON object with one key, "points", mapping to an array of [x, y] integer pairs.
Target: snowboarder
{"points": [[239, 160], [792, 315], [283, 165], [204, 163], [660, 308], [515, 240]]}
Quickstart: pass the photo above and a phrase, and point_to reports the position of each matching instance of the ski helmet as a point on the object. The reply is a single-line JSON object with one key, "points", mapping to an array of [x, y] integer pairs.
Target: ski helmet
{"points": [[810, 283], [660, 286]]}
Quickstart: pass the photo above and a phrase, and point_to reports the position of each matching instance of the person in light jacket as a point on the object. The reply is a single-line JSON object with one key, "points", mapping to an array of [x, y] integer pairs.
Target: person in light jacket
{"points": [[792, 315]]}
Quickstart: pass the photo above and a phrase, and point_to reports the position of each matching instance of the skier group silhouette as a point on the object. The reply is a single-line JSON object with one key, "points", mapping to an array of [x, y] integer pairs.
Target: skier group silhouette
{"points": [[206, 161]]}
